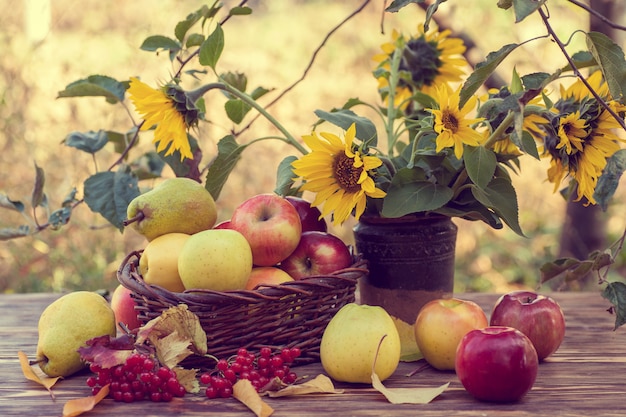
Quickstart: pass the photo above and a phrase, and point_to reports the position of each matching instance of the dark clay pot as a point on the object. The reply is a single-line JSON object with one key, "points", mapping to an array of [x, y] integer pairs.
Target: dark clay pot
{"points": [[410, 259]]}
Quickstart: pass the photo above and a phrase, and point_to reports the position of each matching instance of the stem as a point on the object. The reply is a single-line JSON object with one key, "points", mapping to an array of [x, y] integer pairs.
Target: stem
{"points": [[499, 132], [391, 98]]}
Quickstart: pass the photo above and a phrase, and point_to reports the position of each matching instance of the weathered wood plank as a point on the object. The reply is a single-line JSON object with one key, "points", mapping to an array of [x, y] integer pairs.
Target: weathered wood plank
{"points": [[584, 378]]}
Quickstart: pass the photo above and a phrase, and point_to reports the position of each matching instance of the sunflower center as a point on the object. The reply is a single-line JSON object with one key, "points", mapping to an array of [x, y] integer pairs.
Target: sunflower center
{"points": [[449, 121], [421, 59], [346, 174]]}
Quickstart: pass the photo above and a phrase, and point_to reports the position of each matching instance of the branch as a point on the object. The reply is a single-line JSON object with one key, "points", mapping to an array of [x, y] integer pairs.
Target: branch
{"points": [[600, 16]]}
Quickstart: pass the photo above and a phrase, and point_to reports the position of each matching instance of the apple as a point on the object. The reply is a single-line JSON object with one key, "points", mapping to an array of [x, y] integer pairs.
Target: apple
{"points": [[310, 217], [267, 275], [223, 225], [441, 324], [539, 317], [317, 253], [123, 305], [215, 259], [270, 224], [351, 344], [497, 363]]}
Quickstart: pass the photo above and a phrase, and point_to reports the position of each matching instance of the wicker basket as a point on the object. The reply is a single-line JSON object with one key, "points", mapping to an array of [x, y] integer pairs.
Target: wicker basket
{"points": [[286, 315]]}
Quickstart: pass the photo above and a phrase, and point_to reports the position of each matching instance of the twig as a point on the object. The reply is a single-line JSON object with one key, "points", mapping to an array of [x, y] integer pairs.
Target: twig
{"points": [[603, 18]]}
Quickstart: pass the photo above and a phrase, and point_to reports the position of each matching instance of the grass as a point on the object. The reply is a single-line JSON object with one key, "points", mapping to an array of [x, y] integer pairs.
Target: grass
{"points": [[273, 48]]}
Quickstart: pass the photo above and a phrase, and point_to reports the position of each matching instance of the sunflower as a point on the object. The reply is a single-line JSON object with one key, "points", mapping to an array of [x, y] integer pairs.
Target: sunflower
{"points": [[338, 173], [453, 129], [582, 136], [168, 110], [428, 60]]}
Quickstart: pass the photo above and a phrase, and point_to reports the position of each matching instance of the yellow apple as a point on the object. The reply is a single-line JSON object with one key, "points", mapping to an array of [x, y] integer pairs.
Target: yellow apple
{"points": [[351, 339], [159, 261], [215, 259], [267, 275], [440, 326]]}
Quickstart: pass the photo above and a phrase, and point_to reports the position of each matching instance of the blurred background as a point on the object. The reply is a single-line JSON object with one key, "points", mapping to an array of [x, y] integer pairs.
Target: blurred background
{"points": [[48, 44]]}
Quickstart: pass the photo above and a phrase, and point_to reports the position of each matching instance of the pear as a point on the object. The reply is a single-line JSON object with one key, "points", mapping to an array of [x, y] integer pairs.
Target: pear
{"points": [[177, 205], [65, 325]]}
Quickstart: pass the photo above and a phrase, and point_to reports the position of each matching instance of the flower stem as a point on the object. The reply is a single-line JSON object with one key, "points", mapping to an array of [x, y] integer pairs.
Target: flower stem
{"points": [[499, 132], [391, 99]]}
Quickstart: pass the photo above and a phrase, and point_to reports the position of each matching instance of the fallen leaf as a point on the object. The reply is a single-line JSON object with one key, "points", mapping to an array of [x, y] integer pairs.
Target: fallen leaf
{"points": [[79, 406], [36, 375], [247, 395], [171, 349], [187, 378], [321, 384], [407, 395], [107, 351], [176, 319]]}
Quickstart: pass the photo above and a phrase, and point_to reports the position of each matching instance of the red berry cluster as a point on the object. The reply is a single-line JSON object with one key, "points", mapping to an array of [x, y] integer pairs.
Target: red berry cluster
{"points": [[246, 365], [139, 378]]}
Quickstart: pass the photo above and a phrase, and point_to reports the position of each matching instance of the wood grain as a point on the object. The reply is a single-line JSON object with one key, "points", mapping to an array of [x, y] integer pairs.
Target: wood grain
{"points": [[585, 377]]}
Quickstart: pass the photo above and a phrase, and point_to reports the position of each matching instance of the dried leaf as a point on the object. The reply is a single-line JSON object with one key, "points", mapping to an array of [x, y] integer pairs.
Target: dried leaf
{"points": [[36, 375], [321, 384], [79, 406], [176, 319], [188, 379], [107, 351], [247, 395], [407, 395], [171, 349]]}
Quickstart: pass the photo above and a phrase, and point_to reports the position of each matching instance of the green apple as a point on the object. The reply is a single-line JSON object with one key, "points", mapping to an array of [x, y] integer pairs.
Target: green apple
{"points": [[441, 324], [216, 259], [351, 340], [158, 263], [65, 325]]}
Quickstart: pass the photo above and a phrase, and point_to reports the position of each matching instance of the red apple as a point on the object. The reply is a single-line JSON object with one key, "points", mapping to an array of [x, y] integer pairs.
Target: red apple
{"points": [[496, 364], [537, 316], [223, 225], [270, 224], [310, 217], [441, 324], [317, 253], [123, 306], [267, 275]]}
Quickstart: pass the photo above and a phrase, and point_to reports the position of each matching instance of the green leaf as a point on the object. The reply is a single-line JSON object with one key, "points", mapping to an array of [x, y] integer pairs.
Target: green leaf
{"points": [[396, 5], [38, 197], [554, 269], [236, 110], [259, 92], [480, 163], [188, 168], [195, 39], [615, 292], [182, 27], [148, 166], [7, 203], [609, 180], [581, 59], [524, 8], [109, 193], [365, 129], [505, 4], [211, 49], [430, 11], [409, 193], [235, 79], [90, 142], [240, 11], [8, 233], [483, 71], [60, 217], [96, 86], [157, 43], [285, 176], [228, 154], [610, 58], [500, 196]]}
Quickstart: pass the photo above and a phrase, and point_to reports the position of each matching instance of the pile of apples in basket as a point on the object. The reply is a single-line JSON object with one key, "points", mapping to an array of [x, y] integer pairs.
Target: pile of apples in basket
{"points": [[268, 240]]}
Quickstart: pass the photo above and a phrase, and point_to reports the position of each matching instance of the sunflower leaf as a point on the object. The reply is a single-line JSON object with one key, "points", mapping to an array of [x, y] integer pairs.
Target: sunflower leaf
{"points": [[610, 58], [480, 163], [284, 176], [500, 196], [609, 180], [228, 154], [109, 194], [96, 86], [365, 129], [483, 71], [212, 48], [409, 193]]}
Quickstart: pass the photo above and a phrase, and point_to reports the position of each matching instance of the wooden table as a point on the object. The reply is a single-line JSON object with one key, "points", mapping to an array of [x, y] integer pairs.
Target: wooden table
{"points": [[585, 377]]}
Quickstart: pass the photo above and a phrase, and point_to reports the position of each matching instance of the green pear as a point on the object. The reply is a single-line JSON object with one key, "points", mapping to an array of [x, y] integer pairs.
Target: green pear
{"points": [[65, 325], [177, 205]]}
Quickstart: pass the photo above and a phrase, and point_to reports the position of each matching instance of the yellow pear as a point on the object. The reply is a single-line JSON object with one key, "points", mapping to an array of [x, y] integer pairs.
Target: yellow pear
{"points": [[216, 259], [351, 340], [65, 325], [159, 261], [179, 205]]}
